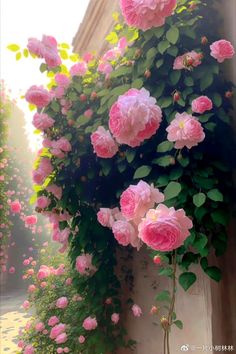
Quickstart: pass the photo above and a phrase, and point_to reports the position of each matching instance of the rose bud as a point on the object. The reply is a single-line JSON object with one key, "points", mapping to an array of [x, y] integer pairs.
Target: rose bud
{"points": [[157, 260], [204, 40], [147, 74]]}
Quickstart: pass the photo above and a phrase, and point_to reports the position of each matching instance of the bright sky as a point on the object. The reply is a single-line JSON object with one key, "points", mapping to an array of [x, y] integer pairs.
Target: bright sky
{"points": [[21, 19]]}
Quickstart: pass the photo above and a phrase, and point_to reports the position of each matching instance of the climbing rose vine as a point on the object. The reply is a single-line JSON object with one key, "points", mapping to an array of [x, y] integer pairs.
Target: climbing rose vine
{"points": [[133, 156]]}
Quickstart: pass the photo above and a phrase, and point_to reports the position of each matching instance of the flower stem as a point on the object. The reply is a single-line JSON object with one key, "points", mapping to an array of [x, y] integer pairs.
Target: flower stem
{"points": [[172, 305]]}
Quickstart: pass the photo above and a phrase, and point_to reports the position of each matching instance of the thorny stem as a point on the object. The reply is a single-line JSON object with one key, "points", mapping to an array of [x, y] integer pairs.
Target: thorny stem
{"points": [[171, 309]]}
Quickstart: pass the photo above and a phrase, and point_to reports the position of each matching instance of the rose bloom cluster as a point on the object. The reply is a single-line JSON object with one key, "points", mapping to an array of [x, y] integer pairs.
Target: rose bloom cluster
{"points": [[133, 118], [162, 229], [46, 48], [145, 14]]}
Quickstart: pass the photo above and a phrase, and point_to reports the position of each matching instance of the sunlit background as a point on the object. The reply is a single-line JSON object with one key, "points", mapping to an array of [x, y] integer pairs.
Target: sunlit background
{"points": [[21, 19]]}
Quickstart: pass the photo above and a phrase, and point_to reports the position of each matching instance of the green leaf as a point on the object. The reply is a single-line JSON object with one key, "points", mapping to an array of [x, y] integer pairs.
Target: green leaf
{"points": [[187, 279], [142, 171], [159, 31], [164, 295], [214, 273], [178, 324], [162, 181], [43, 67], [176, 173], [175, 76], [165, 146], [162, 46], [173, 51], [220, 216], [215, 195], [130, 155], [189, 81], [206, 81], [26, 53], [138, 84], [172, 190], [204, 263], [119, 90], [112, 37], [200, 242], [210, 126], [18, 55], [82, 120], [217, 99], [121, 71], [151, 53], [159, 63], [166, 271], [55, 106], [165, 102], [163, 161], [184, 161], [172, 34], [199, 199], [13, 47]]}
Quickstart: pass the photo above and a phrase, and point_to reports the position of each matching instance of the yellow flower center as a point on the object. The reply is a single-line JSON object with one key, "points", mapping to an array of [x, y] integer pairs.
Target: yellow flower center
{"points": [[181, 125]]}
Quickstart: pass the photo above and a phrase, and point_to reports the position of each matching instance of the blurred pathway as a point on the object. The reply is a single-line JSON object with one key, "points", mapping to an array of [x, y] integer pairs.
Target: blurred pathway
{"points": [[12, 317]]}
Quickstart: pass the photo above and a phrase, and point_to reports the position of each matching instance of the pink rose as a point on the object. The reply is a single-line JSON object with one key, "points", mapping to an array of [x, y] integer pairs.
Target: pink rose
{"points": [[62, 144], [15, 207], [49, 42], [115, 317], [38, 96], [88, 113], [185, 130], [43, 272], [134, 117], [29, 349], [201, 104], [26, 305], [84, 264], [44, 169], [31, 288], [12, 270], [105, 68], [39, 327], [51, 57], [42, 121], [31, 220], [164, 229], [60, 350], [53, 321], [56, 330], [79, 69], [137, 311], [55, 190], [106, 216], [68, 281], [62, 302], [62, 338], [137, 199], [125, 233], [81, 339], [145, 14], [62, 80], [43, 202], [103, 144], [188, 60], [221, 50], [35, 47], [90, 323]]}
